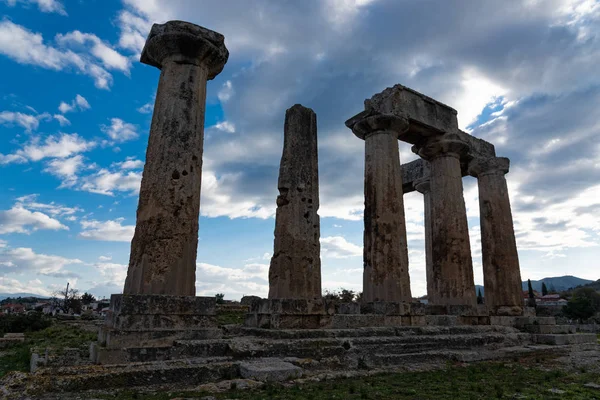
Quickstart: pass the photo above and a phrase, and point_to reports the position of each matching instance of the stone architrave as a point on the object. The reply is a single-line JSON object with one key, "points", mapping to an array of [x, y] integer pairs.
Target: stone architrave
{"points": [[295, 270], [423, 186], [501, 272], [385, 276], [451, 264], [164, 246]]}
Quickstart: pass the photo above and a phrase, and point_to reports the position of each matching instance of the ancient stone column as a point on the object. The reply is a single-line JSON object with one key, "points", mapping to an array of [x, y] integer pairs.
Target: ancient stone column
{"points": [[451, 264], [501, 273], [423, 186], [295, 271], [163, 249], [385, 276]]}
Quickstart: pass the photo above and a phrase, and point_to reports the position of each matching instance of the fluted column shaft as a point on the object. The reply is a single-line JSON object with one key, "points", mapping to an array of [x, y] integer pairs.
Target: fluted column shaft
{"points": [[452, 264], [385, 276], [164, 246], [501, 271]]}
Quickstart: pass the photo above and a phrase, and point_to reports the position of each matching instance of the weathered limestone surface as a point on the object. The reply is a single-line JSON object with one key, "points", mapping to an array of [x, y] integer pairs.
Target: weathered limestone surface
{"points": [[416, 170], [501, 272], [385, 276], [295, 271], [426, 116], [163, 249], [452, 265]]}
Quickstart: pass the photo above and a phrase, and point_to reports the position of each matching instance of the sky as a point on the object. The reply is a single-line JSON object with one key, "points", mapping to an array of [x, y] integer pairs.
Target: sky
{"points": [[76, 106]]}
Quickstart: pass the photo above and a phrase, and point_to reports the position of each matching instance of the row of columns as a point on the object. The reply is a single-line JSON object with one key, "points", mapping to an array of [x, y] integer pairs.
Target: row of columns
{"points": [[449, 265]]}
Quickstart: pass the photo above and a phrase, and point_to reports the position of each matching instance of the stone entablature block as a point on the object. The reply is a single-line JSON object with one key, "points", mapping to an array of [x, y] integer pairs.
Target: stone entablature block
{"points": [[426, 115]]}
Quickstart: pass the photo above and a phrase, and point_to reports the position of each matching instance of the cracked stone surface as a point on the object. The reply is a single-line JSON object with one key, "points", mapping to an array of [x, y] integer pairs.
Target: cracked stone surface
{"points": [[164, 246], [295, 270]]}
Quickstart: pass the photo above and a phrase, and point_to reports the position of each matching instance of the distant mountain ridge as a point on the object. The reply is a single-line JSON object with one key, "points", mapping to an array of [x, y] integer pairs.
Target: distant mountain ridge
{"points": [[558, 283], [14, 295]]}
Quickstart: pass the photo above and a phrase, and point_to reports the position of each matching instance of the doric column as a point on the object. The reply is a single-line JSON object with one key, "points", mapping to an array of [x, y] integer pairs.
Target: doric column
{"points": [[451, 264], [163, 249], [501, 273], [423, 186], [385, 276], [295, 271]]}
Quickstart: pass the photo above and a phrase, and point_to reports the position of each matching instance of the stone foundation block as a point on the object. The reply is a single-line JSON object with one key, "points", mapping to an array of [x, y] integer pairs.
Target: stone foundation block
{"points": [[522, 322], [560, 340], [159, 321], [347, 308], [441, 320], [503, 320], [293, 306], [551, 329], [270, 371], [357, 321], [385, 308], [508, 311], [113, 338], [162, 304]]}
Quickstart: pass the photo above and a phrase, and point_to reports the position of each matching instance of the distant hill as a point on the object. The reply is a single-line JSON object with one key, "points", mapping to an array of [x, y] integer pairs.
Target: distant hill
{"points": [[559, 283], [14, 295]]}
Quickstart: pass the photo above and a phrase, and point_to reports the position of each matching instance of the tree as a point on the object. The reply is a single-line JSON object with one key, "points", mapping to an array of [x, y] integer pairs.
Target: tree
{"points": [[531, 301], [68, 300], [544, 289], [583, 305], [346, 296], [479, 297], [87, 298], [220, 298]]}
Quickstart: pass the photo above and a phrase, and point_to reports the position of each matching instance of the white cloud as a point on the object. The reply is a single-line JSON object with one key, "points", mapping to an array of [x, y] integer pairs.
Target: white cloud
{"points": [[112, 274], [23, 259], [110, 58], [104, 258], [225, 126], [106, 182], [119, 130], [56, 210], [146, 108], [226, 92], [35, 286], [61, 146], [130, 163], [111, 230], [27, 121], [65, 169], [27, 47], [46, 6], [61, 120], [78, 103], [338, 247], [250, 279], [134, 30], [20, 220]]}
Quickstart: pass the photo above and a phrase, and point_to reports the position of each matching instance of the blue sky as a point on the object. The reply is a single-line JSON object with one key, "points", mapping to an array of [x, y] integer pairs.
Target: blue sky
{"points": [[75, 108]]}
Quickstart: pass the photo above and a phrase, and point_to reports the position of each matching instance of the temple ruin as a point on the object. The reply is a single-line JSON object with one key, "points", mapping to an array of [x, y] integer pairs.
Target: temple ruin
{"points": [[159, 331]]}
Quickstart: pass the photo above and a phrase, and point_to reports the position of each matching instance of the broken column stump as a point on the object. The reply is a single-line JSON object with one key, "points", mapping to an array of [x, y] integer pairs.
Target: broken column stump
{"points": [[295, 270]]}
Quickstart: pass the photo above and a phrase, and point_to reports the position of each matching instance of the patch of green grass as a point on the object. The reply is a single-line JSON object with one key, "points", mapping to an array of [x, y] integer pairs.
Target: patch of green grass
{"points": [[231, 317], [58, 337], [477, 381]]}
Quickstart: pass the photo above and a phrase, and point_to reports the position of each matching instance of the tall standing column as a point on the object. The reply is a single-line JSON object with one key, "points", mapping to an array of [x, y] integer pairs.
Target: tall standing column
{"points": [[423, 186], [295, 271], [452, 264], [501, 272], [385, 276], [164, 246]]}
